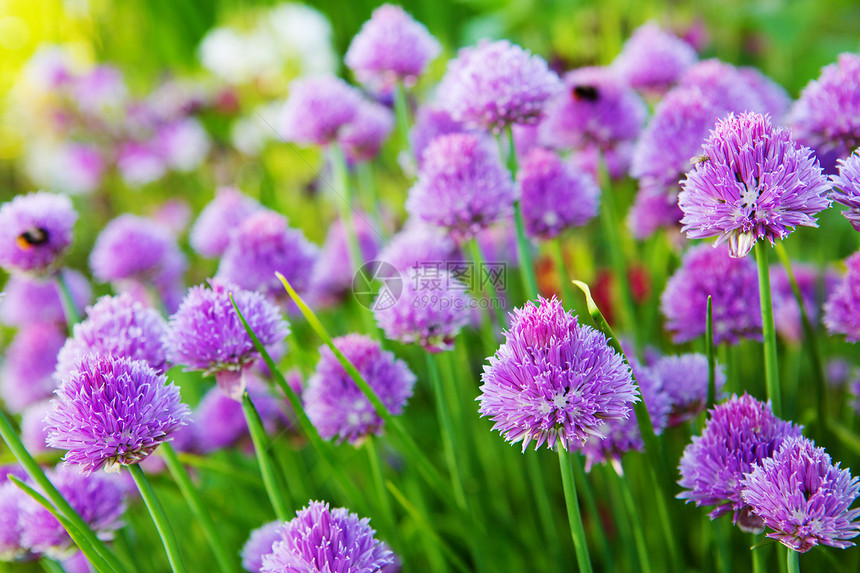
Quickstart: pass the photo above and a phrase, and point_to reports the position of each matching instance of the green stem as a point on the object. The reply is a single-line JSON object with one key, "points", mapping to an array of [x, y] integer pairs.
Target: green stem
{"points": [[159, 518], [478, 259], [111, 563], [70, 309], [264, 459], [577, 532], [401, 111], [201, 514], [371, 195], [373, 457], [792, 560], [633, 516], [447, 427], [711, 352], [567, 293], [771, 364], [527, 270], [542, 502], [757, 556], [343, 190], [50, 566]]}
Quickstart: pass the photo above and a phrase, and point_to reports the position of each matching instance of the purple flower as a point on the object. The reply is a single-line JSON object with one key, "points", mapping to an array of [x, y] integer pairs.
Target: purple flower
{"points": [[462, 186], [335, 404], [117, 326], [210, 234], [323, 539], [259, 544], [846, 188], [112, 411], [362, 137], [390, 46], [554, 380], [428, 312], [11, 499], [775, 101], [419, 244], [731, 283], [140, 162], [496, 84], [30, 299], [333, 270], [33, 431], [219, 421], [725, 85], [97, 498], [655, 206], [35, 230], [596, 110], [827, 114], [554, 196], [206, 333], [27, 373], [754, 182], [622, 436], [317, 108], [184, 143], [653, 59], [430, 123], [842, 309], [261, 245], [804, 497], [786, 312], [136, 249], [685, 381], [739, 434]]}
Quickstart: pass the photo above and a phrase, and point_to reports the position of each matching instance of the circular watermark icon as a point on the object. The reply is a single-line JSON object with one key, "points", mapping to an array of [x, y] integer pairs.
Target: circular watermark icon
{"points": [[377, 285]]}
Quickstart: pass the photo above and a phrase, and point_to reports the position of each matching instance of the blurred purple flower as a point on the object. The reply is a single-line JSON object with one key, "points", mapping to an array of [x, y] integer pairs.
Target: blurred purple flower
{"points": [[653, 59], [317, 108], [333, 271], [30, 299], [362, 137], [184, 143], [804, 497], [33, 430], [842, 309], [219, 421], [430, 123], [259, 544], [775, 101], [335, 404], [786, 312], [140, 162], [685, 381], [553, 380], [11, 499], [27, 373], [210, 233], [846, 188], [35, 230], [419, 244]]}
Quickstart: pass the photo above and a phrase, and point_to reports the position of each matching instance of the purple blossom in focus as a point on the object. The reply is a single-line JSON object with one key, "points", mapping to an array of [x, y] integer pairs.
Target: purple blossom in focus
{"points": [[804, 497], [553, 195], [363, 137], [112, 411], [685, 381], [210, 234], [846, 188], [842, 309], [428, 315], [336, 405], [462, 186], [117, 326], [259, 544], [496, 84], [755, 183], [553, 380], [733, 285], [97, 498], [739, 434], [32, 299], [263, 244], [390, 46], [324, 539], [317, 108], [653, 59], [27, 373], [35, 230]]}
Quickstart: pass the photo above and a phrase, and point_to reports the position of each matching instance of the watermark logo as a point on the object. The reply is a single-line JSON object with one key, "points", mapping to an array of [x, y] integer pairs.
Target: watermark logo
{"points": [[377, 285]]}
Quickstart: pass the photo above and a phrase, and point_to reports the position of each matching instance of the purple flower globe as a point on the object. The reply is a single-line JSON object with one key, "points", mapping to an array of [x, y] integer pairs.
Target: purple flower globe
{"points": [[34, 299], [553, 380], [206, 333], [33, 431], [97, 498], [261, 245], [430, 123], [390, 46], [496, 84], [117, 326], [754, 182], [363, 137], [655, 207], [740, 433], [210, 234], [554, 196], [842, 309], [804, 497], [324, 539], [827, 114], [462, 186], [652, 59], [335, 404], [113, 411], [429, 312], [596, 109], [259, 544], [846, 188], [775, 101], [685, 381], [11, 499], [317, 108], [35, 230], [725, 85], [27, 373], [419, 244]]}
